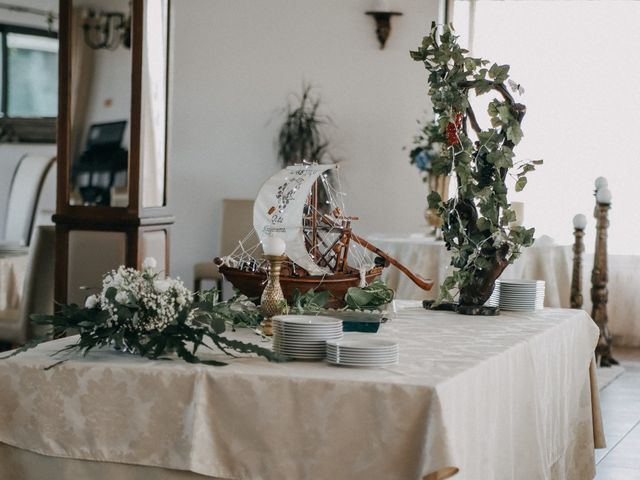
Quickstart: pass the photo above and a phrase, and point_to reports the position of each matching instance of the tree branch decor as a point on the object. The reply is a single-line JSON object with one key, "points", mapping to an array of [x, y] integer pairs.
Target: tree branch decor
{"points": [[476, 221]]}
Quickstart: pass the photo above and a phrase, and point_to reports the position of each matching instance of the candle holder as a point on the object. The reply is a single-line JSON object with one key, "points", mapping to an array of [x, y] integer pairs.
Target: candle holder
{"points": [[272, 301], [599, 279], [576, 299], [383, 24]]}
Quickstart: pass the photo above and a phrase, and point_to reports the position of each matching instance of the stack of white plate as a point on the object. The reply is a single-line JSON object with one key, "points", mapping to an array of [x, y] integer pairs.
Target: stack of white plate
{"points": [[494, 299], [522, 295], [357, 351], [304, 336]]}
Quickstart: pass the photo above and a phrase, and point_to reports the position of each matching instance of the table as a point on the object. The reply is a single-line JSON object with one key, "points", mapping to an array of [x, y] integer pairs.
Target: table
{"points": [[12, 273], [543, 261], [429, 258], [485, 396]]}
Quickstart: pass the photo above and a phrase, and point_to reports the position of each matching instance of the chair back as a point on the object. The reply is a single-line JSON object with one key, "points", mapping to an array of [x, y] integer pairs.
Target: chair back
{"points": [[46, 205], [237, 222], [26, 186], [39, 281]]}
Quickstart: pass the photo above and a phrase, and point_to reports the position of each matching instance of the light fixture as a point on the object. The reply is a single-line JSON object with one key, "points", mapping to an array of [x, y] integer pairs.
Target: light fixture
{"points": [[106, 30], [382, 15]]}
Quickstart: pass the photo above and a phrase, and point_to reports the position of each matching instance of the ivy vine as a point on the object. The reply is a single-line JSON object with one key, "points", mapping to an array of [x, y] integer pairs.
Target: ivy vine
{"points": [[477, 221]]}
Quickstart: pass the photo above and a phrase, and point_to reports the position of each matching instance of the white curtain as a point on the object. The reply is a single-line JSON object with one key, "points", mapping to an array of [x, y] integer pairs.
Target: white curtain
{"points": [[82, 62]]}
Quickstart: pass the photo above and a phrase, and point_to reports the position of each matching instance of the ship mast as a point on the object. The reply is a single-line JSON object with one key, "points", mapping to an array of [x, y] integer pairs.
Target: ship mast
{"points": [[314, 220]]}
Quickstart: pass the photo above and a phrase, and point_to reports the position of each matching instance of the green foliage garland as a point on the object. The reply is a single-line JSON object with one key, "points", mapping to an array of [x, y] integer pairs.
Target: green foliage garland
{"points": [[476, 221]]}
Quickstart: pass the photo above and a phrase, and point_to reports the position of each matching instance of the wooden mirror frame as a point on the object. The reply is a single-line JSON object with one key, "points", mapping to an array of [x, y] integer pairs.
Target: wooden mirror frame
{"points": [[134, 220]]}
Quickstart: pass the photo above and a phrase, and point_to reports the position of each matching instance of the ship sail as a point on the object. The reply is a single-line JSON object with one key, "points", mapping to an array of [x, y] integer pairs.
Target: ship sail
{"points": [[279, 210]]}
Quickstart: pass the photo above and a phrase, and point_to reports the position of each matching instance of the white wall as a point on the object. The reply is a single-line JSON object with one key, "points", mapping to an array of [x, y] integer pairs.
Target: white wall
{"points": [[235, 62]]}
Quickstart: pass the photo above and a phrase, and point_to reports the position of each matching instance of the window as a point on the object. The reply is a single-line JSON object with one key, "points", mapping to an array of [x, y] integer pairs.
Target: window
{"points": [[576, 62], [29, 93]]}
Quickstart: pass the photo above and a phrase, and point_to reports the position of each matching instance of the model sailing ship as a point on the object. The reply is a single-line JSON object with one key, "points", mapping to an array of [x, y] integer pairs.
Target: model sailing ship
{"points": [[322, 251]]}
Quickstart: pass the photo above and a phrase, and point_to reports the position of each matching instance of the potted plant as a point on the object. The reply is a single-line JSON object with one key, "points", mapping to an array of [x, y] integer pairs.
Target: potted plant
{"points": [[301, 137], [477, 222]]}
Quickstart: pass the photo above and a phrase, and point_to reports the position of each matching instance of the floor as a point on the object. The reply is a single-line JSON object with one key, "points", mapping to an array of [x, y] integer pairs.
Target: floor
{"points": [[620, 401]]}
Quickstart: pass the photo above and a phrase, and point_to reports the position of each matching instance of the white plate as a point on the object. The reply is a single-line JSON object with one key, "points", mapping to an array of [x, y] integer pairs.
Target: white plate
{"points": [[306, 320], [369, 353], [522, 302], [520, 282], [381, 364], [513, 309], [329, 333], [306, 328], [299, 349], [366, 343], [305, 336], [363, 359], [293, 353]]}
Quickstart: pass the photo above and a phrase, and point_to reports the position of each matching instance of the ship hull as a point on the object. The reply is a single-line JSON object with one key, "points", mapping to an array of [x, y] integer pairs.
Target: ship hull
{"points": [[252, 284]]}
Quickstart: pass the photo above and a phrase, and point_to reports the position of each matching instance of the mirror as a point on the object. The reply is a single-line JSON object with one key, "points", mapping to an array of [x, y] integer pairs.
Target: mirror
{"points": [[100, 115], [153, 102]]}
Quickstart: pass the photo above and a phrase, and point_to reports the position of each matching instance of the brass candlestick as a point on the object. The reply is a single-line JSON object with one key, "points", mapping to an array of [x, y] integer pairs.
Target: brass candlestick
{"points": [[578, 249], [272, 301], [599, 292]]}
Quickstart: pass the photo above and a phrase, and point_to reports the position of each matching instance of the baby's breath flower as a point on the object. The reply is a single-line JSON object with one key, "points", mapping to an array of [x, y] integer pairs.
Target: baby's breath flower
{"points": [[149, 263], [91, 301]]}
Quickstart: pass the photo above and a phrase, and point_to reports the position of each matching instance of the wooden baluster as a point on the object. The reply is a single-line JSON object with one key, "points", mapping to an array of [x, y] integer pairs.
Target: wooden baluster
{"points": [[599, 278], [579, 224]]}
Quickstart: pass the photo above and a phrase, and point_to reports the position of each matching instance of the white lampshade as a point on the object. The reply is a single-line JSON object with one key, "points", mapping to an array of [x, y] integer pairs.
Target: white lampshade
{"points": [[601, 182], [580, 221], [603, 196], [518, 209], [273, 246]]}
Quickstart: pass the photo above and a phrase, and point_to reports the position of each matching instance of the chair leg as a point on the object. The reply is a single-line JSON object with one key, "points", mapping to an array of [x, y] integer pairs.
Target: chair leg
{"points": [[219, 286], [197, 284]]}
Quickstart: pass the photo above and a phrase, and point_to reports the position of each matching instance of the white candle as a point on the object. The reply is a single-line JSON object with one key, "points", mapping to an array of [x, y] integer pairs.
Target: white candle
{"points": [[273, 246], [580, 221], [601, 182], [603, 196], [518, 208]]}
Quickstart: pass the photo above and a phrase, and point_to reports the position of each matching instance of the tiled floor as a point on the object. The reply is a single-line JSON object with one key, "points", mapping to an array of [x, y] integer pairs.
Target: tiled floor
{"points": [[620, 403]]}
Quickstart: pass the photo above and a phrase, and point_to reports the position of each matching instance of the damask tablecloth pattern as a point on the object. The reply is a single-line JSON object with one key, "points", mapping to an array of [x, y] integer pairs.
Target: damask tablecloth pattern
{"points": [[493, 397]]}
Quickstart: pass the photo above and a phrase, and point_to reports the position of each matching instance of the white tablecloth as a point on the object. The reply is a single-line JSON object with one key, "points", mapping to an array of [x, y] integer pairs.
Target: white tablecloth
{"points": [[12, 272], [552, 263], [493, 397]]}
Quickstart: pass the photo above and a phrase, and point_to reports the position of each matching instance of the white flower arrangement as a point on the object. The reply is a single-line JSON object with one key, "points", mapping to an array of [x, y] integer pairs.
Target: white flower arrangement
{"points": [[157, 301], [139, 312]]}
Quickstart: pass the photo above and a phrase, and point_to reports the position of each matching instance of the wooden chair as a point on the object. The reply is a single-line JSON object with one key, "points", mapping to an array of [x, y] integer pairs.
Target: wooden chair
{"points": [[237, 222], [15, 325]]}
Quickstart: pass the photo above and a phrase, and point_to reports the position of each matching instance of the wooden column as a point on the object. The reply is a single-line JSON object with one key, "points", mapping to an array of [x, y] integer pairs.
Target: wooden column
{"points": [[579, 224], [599, 292]]}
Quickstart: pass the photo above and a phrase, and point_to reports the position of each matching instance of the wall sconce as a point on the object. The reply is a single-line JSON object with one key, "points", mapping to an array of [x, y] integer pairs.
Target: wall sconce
{"points": [[106, 30], [382, 15]]}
